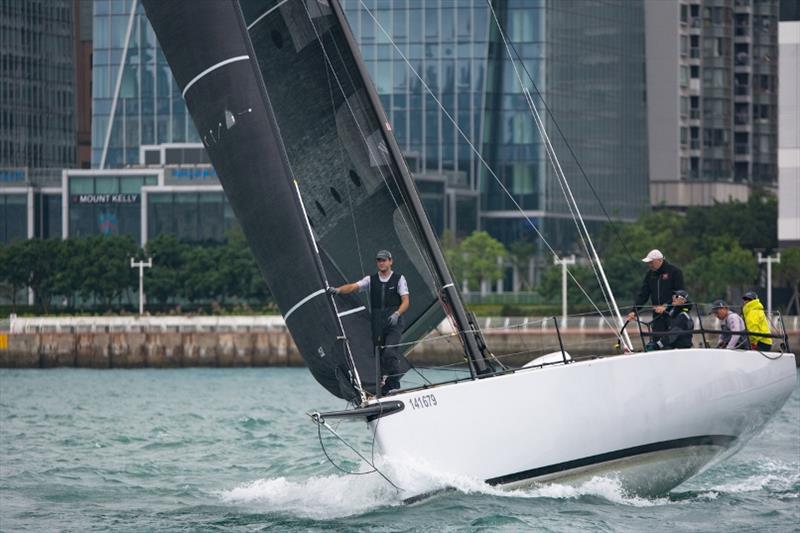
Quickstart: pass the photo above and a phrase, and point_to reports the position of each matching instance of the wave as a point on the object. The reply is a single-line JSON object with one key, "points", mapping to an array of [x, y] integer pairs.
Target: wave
{"points": [[772, 476], [336, 496], [319, 497]]}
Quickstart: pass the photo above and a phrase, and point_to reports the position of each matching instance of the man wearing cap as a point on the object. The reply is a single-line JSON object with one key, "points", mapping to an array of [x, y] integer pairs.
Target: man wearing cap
{"points": [[660, 283], [732, 325], [388, 296], [755, 320], [681, 324]]}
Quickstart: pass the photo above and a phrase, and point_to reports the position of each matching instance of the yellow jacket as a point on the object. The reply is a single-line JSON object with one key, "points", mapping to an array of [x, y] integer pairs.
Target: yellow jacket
{"points": [[756, 320]]}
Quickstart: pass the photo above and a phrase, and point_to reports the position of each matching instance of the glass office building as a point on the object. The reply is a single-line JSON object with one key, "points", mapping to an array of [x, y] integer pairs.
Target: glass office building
{"points": [[585, 56], [449, 90], [135, 99], [37, 84], [37, 110]]}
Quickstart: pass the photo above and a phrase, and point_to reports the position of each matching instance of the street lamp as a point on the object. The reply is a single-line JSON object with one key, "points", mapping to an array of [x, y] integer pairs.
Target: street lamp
{"points": [[769, 261], [141, 265], [564, 262]]}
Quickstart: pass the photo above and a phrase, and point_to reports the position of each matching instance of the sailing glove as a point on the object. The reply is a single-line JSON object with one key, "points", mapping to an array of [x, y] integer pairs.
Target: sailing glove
{"points": [[394, 318], [332, 291]]}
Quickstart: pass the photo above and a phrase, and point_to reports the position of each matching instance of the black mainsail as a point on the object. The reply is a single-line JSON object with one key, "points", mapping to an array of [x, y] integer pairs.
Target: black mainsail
{"points": [[296, 133]]}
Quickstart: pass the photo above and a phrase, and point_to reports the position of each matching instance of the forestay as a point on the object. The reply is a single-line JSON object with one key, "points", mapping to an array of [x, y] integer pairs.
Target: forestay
{"points": [[286, 116]]}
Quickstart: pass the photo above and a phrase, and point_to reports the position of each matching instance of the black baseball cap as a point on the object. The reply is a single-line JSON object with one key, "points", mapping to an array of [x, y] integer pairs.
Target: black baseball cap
{"points": [[383, 254]]}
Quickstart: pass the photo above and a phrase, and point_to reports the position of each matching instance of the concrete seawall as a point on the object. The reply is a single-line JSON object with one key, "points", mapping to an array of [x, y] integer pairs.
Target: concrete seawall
{"points": [[169, 349], [149, 350]]}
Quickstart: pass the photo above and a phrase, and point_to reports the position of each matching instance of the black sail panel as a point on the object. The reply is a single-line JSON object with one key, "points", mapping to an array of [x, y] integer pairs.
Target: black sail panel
{"points": [[335, 145], [288, 121], [208, 50]]}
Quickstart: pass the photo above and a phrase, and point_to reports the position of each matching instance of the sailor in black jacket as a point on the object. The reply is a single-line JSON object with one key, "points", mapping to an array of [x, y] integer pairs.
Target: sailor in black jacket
{"points": [[680, 323], [660, 283], [389, 300]]}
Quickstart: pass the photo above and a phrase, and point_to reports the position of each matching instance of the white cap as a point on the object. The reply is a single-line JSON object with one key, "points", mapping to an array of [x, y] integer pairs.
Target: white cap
{"points": [[653, 255]]}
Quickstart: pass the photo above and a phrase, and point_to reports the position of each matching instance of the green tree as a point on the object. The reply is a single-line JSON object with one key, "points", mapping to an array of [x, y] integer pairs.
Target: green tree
{"points": [[165, 279], [713, 245], [550, 286], [108, 271], [714, 275], [41, 259], [16, 270], [478, 256], [4, 267], [450, 247], [520, 253], [71, 263], [753, 223], [201, 277]]}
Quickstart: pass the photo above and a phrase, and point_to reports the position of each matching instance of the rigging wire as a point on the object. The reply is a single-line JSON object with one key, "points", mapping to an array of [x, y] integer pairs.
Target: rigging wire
{"points": [[347, 186], [571, 151], [580, 226], [317, 419], [478, 154], [411, 229], [576, 214], [329, 64]]}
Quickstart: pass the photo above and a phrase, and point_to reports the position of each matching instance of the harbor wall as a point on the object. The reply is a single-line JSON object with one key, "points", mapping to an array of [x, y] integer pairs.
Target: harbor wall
{"points": [[170, 349]]}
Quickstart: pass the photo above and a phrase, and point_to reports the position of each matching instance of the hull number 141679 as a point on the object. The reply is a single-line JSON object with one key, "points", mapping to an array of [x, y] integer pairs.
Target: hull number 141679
{"points": [[421, 402]]}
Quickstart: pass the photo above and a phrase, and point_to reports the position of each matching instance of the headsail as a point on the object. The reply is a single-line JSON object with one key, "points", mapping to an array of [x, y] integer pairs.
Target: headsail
{"points": [[275, 90]]}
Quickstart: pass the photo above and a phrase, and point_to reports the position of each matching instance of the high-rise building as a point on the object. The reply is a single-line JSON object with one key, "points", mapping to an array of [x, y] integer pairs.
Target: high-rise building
{"points": [[585, 56], [712, 82], [83, 80], [789, 125], [37, 107], [431, 62], [135, 100]]}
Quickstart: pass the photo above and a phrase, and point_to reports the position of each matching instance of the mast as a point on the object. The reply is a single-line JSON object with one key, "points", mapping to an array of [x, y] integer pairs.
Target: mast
{"points": [[477, 361]]}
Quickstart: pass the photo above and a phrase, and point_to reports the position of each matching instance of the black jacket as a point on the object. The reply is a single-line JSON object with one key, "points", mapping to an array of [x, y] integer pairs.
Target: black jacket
{"points": [[679, 321], [659, 285]]}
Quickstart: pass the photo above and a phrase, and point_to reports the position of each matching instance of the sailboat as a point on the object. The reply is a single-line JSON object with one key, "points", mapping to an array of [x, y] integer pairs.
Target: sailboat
{"points": [[296, 132]]}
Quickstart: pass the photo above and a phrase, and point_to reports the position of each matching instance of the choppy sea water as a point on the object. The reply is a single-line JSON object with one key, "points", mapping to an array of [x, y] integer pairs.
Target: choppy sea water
{"points": [[232, 450]]}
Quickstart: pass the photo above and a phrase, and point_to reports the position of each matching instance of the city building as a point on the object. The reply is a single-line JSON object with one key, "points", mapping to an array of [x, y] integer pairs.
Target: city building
{"points": [[37, 107], [37, 85], [135, 100], [789, 125], [83, 80], [712, 81], [464, 114], [587, 59], [173, 189]]}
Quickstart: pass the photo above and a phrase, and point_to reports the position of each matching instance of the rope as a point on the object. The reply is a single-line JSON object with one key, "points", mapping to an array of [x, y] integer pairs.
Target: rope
{"points": [[572, 152], [580, 226], [317, 418], [478, 154], [426, 259]]}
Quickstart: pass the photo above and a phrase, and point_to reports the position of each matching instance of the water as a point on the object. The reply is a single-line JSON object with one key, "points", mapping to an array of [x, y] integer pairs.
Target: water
{"points": [[231, 450]]}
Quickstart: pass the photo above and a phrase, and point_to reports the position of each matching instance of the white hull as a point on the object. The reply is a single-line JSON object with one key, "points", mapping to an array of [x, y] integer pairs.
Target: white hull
{"points": [[653, 420]]}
